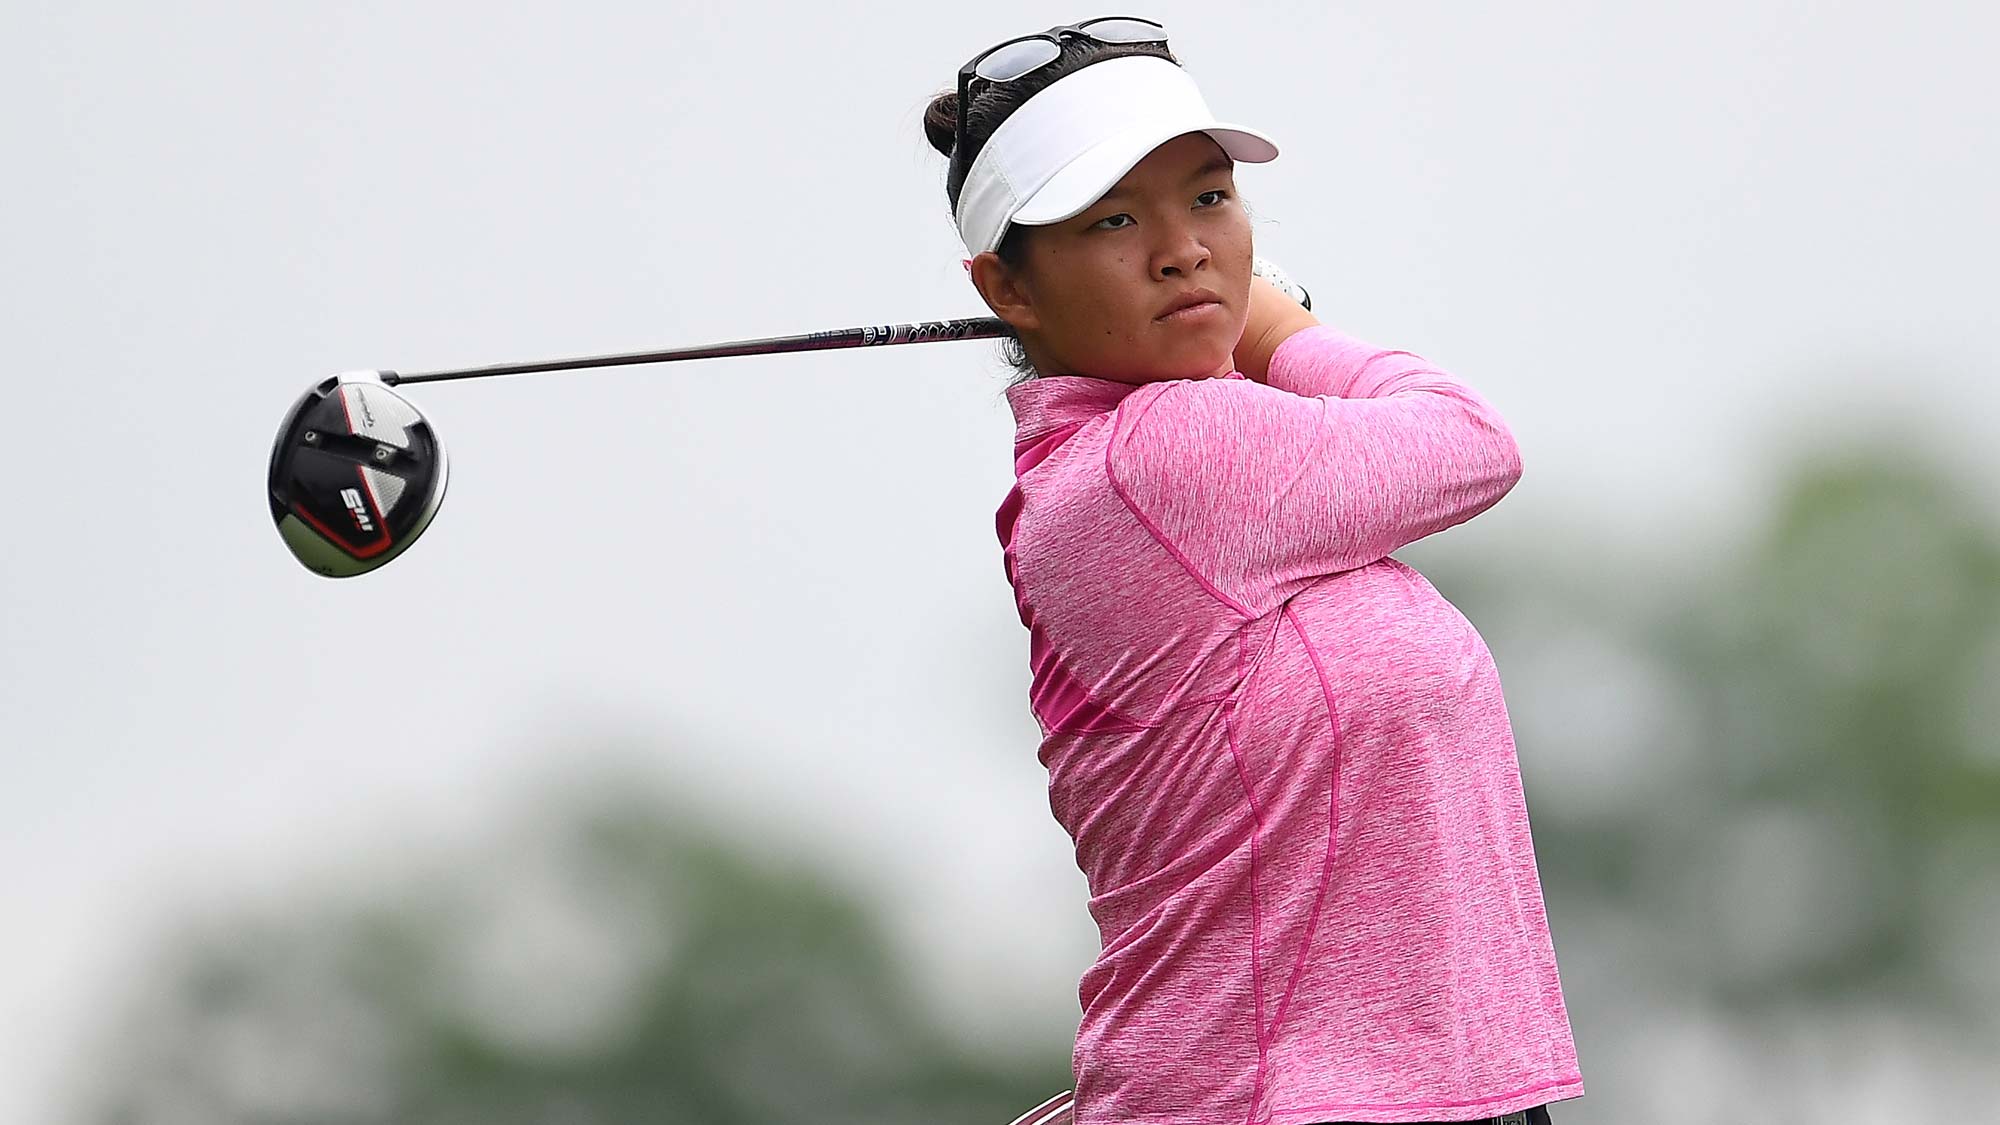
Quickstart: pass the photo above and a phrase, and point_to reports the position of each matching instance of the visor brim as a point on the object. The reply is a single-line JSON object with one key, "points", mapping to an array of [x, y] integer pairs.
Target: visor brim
{"points": [[1085, 180]]}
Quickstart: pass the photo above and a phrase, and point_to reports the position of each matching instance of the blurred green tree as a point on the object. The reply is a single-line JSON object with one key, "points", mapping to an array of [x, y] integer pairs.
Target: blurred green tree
{"points": [[1765, 787], [618, 964]]}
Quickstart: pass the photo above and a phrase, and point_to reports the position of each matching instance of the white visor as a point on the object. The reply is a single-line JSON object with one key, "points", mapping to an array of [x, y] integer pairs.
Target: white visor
{"points": [[1076, 138]]}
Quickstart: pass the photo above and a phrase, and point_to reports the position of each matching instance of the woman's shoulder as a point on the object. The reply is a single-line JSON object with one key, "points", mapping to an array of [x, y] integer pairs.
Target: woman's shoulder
{"points": [[1205, 405]]}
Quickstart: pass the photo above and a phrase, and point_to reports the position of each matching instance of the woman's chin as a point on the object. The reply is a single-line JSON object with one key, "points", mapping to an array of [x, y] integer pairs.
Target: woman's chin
{"points": [[1205, 359], [1205, 333], [1179, 355]]}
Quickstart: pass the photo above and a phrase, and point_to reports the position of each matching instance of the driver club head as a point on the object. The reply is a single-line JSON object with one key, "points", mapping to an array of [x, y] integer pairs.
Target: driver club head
{"points": [[356, 475]]}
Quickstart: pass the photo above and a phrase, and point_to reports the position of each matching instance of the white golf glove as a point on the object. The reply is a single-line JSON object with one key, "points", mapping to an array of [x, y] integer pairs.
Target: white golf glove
{"points": [[1259, 267]]}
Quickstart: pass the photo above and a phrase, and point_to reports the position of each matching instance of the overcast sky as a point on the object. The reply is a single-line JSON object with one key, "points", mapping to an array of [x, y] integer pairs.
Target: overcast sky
{"points": [[1671, 246]]}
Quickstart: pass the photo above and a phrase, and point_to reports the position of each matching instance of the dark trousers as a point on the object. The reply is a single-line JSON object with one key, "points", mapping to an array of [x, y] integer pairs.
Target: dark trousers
{"points": [[1534, 1115]]}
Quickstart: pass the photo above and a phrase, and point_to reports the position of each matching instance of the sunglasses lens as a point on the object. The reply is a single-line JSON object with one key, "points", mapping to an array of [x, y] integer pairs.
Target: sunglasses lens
{"points": [[1125, 31], [1015, 59]]}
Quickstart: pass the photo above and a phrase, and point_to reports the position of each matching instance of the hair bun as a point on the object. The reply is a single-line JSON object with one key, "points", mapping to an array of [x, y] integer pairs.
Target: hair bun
{"points": [[941, 121]]}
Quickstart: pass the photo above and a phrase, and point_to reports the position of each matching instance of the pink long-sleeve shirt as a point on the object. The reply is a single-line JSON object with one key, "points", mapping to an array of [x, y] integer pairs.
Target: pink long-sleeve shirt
{"points": [[1282, 755]]}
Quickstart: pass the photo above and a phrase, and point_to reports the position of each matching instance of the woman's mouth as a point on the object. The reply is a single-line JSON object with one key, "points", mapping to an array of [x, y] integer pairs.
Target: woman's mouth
{"points": [[1192, 313]]}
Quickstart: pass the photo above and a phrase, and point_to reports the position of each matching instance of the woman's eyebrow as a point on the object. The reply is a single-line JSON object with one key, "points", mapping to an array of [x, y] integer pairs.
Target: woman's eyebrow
{"points": [[1215, 164]]}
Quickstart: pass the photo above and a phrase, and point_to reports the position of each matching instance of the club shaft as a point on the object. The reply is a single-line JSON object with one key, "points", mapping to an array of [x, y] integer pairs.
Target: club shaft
{"points": [[979, 328]]}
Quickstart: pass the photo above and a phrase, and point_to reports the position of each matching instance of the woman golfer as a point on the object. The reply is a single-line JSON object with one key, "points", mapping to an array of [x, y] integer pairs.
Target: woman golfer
{"points": [[1282, 755]]}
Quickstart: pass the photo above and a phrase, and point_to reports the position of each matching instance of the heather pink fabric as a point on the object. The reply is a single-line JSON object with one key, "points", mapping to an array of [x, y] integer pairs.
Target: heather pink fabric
{"points": [[1283, 756]]}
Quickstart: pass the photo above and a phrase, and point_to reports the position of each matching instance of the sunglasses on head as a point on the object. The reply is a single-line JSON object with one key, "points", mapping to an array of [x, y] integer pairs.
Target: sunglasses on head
{"points": [[1007, 61]]}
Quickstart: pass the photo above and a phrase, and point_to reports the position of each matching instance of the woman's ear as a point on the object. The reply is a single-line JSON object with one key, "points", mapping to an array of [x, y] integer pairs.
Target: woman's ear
{"points": [[1004, 292]]}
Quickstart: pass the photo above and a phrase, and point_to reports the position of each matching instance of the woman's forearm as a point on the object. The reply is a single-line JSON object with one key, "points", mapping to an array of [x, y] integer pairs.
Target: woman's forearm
{"points": [[1274, 316]]}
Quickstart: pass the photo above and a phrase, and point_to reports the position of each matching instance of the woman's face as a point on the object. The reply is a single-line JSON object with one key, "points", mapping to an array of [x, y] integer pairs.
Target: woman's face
{"points": [[1088, 299]]}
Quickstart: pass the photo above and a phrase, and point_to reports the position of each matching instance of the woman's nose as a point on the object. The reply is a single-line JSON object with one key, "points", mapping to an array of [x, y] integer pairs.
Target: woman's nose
{"points": [[1183, 254]]}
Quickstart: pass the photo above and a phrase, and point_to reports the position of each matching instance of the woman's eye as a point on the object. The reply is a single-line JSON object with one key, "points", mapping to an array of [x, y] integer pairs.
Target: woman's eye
{"points": [[1101, 223]]}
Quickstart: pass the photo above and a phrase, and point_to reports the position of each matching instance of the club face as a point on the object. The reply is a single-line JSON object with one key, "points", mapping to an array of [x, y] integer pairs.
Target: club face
{"points": [[356, 475]]}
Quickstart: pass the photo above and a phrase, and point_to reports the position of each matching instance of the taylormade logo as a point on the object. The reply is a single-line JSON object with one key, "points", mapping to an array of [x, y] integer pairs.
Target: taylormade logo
{"points": [[352, 498]]}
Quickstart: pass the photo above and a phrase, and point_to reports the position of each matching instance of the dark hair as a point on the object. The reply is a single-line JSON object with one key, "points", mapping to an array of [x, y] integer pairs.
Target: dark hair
{"points": [[991, 105]]}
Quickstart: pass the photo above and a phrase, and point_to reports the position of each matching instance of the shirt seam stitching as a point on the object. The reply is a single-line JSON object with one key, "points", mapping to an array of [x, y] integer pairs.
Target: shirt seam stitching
{"points": [[1160, 537]]}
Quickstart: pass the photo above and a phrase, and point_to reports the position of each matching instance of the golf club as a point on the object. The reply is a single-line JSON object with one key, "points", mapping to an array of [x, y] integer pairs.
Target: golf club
{"points": [[357, 473], [1056, 1111]]}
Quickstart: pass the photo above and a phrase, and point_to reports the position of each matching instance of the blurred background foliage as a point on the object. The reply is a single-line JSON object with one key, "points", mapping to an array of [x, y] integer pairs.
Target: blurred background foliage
{"points": [[611, 959], [1766, 803]]}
